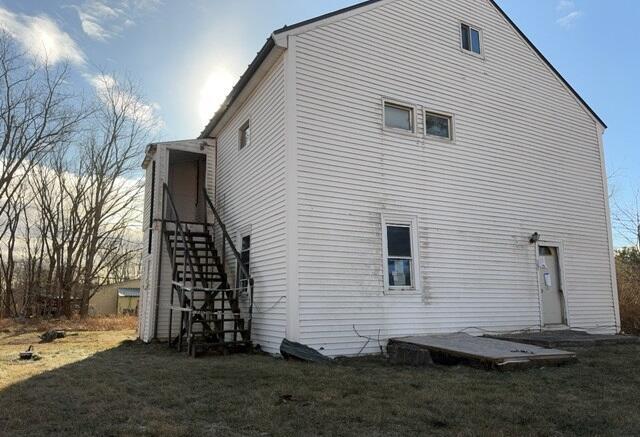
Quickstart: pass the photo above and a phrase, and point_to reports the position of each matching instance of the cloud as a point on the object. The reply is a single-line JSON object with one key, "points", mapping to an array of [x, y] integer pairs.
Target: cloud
{"points": [[130, 104], [568, 21], [570, 13], [103, 20], [565, 5], [41, 37]]}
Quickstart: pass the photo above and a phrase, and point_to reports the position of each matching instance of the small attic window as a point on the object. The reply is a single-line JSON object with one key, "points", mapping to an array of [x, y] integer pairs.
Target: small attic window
{"points": [[245, 135], [471, 38], [438, 125], [397, 116]]}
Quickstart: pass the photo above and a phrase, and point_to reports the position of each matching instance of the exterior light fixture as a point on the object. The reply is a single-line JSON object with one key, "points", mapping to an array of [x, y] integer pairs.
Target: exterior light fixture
{"points": [[535, 237]]}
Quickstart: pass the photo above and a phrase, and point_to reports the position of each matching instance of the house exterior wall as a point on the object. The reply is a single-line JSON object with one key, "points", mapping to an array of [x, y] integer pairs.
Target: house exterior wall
{"points": [[250, 188], [526, 157]]}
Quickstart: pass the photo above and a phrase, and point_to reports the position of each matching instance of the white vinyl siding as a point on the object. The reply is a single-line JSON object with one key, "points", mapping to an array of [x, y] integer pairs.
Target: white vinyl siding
{"points": [[144, 311], [250, 193], [526, 159]]}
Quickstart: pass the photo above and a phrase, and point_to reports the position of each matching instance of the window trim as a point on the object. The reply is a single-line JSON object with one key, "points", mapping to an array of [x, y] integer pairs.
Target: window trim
{"points": [[244, 126], [399, 104], [412, 223], [481, 35], [443, 114]]}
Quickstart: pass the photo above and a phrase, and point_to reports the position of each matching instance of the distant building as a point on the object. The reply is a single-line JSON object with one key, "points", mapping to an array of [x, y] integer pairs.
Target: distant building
{"points": [[121, 298], [128, 300]]}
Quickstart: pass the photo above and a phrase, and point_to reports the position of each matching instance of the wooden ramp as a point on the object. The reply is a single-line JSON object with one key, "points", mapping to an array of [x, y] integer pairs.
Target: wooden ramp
{"points": [[477, 351]]}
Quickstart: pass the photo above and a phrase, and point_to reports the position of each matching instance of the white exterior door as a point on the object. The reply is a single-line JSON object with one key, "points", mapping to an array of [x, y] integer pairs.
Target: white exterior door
{"points": [[551, 286]]}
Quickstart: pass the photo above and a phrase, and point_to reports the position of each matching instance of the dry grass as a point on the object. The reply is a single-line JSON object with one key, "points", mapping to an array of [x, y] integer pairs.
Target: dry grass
{"points": [[76, 347], [628, 272], [102, 323], [97, 384]]}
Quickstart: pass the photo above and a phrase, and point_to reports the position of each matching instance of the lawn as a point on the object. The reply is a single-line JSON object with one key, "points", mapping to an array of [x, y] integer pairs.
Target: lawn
{"points": [[107, 384]]}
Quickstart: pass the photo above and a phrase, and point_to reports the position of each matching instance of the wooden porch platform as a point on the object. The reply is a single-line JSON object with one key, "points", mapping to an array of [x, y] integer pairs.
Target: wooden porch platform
{"points": [[567, 338], [483, 352]]}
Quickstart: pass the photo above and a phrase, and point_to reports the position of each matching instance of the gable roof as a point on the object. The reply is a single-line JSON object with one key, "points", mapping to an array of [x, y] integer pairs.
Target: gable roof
{"points": [[270, 44]]}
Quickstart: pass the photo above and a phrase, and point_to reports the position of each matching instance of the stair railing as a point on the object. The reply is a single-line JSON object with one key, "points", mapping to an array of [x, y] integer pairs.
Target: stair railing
{"points": [[226, 238], [178, 229]]}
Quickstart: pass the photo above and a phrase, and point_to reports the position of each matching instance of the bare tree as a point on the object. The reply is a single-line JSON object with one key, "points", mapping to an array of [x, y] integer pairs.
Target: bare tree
{"points": [[69, 182], [123, 125], [13, 211], [626, 218], [37, 113]]}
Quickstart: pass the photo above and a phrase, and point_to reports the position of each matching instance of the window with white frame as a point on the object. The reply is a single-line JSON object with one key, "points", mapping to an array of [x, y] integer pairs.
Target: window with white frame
{"points": [[400, 254], [398, 116], [471, 38], [245, 135], [438, 125]]}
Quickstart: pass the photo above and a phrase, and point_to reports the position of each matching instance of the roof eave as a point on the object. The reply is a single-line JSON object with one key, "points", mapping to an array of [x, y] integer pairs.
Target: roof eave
{"points": [[549, 64], [239, 87]]}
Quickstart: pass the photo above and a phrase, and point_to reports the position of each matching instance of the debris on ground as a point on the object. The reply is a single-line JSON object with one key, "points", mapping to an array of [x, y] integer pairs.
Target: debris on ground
{"points": [[51, 335], [296, 351], [29, 354]]}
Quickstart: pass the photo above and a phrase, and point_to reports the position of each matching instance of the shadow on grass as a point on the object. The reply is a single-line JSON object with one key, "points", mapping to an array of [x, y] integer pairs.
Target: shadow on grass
{"points": [[137, 389]]}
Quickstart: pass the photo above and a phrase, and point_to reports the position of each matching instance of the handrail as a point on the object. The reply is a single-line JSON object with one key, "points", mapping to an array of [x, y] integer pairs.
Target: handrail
{"points": [[227, 236], [235, 252]]}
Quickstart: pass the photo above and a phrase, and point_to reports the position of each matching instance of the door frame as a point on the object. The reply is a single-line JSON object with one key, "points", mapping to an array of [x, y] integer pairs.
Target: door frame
{"points": [[559, 246]]}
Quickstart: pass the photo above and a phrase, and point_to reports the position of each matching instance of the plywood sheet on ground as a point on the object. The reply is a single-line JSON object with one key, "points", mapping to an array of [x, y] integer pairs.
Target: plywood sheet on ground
{"points": [[489, 351]]}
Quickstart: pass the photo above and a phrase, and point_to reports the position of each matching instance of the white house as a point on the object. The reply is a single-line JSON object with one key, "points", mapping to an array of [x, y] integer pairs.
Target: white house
{"points": [[398, 167]]}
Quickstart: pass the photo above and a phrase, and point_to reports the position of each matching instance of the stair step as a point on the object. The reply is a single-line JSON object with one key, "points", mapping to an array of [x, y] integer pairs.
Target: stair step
{"points": [[196, 265], [194, 249], [202, 275], [188, 234], [194, 240]]}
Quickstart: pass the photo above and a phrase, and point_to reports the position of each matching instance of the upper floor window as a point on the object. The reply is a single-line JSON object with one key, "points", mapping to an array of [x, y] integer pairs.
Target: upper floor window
{"points": [[245, 135], [398, 116], [438, 125], [471, 39]]}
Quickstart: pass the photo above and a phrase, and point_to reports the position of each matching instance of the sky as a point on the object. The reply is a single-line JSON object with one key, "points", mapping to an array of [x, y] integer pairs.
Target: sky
{"points": [[187, 54]]}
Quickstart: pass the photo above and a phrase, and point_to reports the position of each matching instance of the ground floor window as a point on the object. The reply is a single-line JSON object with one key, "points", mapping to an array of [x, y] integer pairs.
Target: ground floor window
{"points": [[400, 254], [245, 258]]}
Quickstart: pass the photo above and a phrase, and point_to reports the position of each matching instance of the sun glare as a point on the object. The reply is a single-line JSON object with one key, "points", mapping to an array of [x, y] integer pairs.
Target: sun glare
{"points": [[216, 88]]}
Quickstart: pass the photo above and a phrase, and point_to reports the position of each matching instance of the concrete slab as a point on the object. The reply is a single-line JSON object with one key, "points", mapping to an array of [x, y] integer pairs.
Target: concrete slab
{"points": [[567, 338], [481, 351]]}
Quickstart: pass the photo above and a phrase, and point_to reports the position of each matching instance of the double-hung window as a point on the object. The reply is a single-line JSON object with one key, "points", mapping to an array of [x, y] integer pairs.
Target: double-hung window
{"points": [[471, 38], [400, 254], [245, 257]]}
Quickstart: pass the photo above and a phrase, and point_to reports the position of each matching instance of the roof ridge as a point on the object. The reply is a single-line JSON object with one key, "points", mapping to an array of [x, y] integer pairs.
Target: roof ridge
{"points": [[270, 44]]}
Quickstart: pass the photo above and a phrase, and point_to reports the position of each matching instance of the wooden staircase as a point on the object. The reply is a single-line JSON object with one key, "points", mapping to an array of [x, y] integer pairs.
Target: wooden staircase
{"points": [[210, 314]]}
